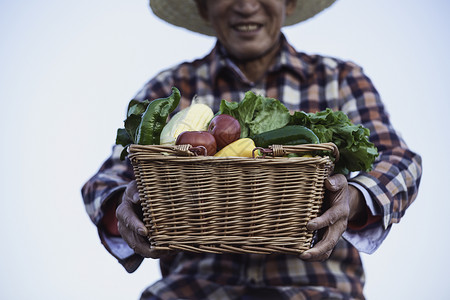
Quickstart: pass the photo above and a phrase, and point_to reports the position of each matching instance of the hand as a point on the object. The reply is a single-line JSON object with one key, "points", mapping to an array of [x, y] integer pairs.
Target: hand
{"points": [[130, 224], [333, 221]]}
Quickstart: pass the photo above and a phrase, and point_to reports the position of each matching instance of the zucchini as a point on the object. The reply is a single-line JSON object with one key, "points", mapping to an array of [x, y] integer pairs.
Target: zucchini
{"points": [[288, 135]]}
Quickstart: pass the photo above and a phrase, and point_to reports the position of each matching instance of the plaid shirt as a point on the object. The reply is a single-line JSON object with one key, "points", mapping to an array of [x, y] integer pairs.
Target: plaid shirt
{"points": [[302, 82]]}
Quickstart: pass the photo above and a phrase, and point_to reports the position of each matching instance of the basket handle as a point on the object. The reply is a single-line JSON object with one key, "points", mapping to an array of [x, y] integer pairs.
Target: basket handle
{"points": [[182, 150], [282, 150]]}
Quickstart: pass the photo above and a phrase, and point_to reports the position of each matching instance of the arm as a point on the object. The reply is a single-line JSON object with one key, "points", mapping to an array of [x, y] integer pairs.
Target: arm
{"points": [[101, 195], [390, 187], [113, 185], [394, 181]]}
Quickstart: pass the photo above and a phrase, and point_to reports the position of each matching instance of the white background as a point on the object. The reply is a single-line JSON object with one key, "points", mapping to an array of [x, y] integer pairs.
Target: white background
{"points": [[68, 70]]}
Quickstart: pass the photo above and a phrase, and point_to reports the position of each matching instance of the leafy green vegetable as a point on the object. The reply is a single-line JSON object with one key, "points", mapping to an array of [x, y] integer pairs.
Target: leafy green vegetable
{"points": [[357, 153], [123, 138], [126, 136], [154, 118], [136, 107], [145, 121], [256, 113]]}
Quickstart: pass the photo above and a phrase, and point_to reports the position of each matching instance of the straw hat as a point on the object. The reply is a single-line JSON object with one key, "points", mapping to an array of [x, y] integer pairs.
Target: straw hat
{"points": [[183, 13]]}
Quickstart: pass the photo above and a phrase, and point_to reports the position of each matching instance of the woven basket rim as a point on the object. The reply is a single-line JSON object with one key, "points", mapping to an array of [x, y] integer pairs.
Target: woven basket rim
{"points": [[181, 152]]}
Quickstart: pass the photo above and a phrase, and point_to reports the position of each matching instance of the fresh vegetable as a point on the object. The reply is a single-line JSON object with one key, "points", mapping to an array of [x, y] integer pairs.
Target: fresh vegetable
{"points": [[258, 117], [242, 147], [357, 153], [193, 118], [288, 135], [146, 118], [127, 135], [225, 130], [198, 138], [256, 114], [155, 117]]}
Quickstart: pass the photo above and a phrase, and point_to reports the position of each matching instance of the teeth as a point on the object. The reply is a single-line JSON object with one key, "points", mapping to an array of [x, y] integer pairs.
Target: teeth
{"points": [[247, 27]]}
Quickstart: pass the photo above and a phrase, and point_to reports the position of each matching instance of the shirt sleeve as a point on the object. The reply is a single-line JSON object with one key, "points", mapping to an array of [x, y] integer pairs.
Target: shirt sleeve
{"points": [[369, 237], [110, 180], [392, 184]]}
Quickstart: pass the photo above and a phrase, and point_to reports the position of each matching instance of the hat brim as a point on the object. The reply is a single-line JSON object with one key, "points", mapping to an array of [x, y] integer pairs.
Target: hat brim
{"points": [[184, 13]]}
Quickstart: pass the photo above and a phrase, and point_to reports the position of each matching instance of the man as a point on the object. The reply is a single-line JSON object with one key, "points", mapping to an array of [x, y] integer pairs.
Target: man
{"points": [[252, 54]]}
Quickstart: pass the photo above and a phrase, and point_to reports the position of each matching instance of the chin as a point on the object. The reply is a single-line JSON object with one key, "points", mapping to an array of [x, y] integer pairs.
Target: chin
{"points": [[249, 53]]}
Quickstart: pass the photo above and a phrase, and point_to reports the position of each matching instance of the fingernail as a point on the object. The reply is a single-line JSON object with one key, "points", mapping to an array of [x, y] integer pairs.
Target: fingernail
{"points": [[142, 231], [312, 225], [305, 255], [135, 198], [331, 181]]}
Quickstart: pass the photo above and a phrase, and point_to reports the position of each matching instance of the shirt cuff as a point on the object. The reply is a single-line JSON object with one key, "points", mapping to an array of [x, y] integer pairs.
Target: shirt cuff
{"points": [[368, 238], [369, 202], [121, 251]]}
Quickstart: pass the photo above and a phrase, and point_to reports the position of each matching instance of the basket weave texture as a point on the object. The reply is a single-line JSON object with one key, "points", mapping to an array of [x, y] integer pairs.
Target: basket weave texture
{"points": [[230, 204]]}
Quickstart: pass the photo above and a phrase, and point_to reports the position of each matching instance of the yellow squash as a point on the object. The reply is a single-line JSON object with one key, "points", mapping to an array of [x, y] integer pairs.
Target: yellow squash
{"points": [[241, 147]]}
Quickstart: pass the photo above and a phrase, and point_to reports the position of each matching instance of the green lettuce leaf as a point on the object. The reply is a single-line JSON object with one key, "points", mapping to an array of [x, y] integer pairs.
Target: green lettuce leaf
{"points": [[357, 153], [256, 113]]}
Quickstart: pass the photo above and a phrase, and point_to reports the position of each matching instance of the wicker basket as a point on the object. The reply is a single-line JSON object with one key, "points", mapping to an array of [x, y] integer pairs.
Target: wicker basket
{"points": [[230, 204]]}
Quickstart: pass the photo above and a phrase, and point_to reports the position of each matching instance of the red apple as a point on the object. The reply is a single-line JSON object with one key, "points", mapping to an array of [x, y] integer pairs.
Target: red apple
{"points": [[225, 130], [198, 138]]}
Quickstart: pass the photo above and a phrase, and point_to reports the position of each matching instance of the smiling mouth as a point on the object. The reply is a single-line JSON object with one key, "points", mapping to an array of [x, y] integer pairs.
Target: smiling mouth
{"points": [[247, 27]]}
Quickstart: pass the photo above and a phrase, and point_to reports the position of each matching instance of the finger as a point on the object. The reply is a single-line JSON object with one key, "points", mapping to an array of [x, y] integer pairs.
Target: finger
{"points": [[338, 203], [329, 217], [141, 245], [126, 214], [136, 198], [138, 243], [132, 193], [143, 248], [335, 182], [311, 255], [323, 249], [161, 253]]}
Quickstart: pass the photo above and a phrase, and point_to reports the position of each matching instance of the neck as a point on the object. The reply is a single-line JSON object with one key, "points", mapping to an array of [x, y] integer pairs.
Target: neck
{"points": [[256, 68]]}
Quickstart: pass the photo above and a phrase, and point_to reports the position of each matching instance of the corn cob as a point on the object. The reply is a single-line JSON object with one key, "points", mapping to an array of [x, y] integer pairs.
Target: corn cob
{"points": [[196, 117]]}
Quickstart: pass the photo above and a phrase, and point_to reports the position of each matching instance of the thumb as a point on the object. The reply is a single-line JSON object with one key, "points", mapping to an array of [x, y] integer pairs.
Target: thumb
{"points": [[335, 182], [136, 198], [132, 192]]}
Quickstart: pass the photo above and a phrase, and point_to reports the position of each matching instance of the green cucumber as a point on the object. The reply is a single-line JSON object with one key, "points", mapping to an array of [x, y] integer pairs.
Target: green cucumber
{"points": [[288, 135]]}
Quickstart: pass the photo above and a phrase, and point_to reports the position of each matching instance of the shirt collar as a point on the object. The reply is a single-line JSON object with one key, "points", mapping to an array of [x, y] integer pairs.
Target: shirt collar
{"points": [[290, 59], [220, 60], [287, 58]]}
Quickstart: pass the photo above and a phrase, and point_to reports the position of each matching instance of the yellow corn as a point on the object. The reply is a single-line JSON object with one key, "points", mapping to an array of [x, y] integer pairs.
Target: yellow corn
{"points": [[241, 147], [196, 117]]}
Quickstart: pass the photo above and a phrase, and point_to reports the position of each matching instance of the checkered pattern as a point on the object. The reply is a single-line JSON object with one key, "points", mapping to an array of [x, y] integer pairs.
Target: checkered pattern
{"points": [[302, 82]]}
